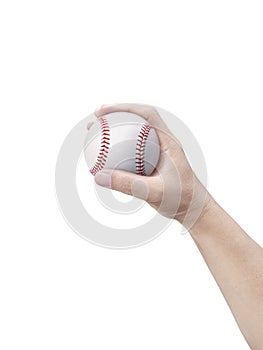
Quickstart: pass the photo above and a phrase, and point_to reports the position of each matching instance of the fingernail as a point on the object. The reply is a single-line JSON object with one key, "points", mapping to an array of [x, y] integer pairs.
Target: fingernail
{"points": [[105, 106], [89, 125], [103, 178]]}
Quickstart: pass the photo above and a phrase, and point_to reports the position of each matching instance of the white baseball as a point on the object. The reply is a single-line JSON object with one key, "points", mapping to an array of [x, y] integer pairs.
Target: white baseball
{"points": [[124, 141]]}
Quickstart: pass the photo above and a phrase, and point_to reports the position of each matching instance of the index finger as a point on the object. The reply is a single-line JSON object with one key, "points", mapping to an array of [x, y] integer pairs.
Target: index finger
{"points": [[147, 112]]}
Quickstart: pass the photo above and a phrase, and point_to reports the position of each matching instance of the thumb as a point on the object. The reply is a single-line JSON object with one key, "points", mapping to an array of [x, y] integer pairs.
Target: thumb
{"points": [[125, 182]]}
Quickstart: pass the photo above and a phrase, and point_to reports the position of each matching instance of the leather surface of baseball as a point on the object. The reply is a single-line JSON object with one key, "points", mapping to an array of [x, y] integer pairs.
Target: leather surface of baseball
{"points": [[123, 141]]}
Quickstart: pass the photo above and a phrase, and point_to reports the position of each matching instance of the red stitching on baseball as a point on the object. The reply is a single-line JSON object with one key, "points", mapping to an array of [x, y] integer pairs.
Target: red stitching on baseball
{"points": [[140, 148], [104, 146]]}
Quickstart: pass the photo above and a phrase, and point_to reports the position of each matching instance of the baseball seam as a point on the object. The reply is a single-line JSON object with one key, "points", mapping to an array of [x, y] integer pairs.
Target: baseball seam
{"points": [[140, 149], [104, 146]]}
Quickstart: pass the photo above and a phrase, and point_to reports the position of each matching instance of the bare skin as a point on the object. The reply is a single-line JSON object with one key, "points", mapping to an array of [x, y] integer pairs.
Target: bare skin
{"points": [[234, 259]]}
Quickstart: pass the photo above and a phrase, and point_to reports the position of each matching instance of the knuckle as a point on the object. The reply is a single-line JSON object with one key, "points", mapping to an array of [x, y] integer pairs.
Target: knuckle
{"points": [[152, 115], [155, 196], [156, 192], [151, 111], [121, 183]]}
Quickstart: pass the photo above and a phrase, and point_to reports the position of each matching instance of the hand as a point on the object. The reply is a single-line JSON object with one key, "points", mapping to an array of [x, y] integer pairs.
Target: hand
{"points": [[173, 189], [235, 260]]}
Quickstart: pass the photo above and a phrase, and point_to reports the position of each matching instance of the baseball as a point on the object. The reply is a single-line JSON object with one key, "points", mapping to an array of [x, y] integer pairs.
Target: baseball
{"points": [[123, 141]]}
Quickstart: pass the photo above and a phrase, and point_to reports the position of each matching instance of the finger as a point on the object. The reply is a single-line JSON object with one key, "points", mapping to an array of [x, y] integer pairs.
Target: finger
{"points": [[125, 182], [147, 112]]}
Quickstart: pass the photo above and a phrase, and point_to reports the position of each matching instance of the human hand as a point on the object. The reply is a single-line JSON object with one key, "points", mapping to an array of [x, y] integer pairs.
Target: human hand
{"points": [[234, 259], [173, 189]]}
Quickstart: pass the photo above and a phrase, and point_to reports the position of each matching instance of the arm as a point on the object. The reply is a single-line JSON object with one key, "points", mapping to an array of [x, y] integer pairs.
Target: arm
{"points": [[234, 259], [236, 262]]}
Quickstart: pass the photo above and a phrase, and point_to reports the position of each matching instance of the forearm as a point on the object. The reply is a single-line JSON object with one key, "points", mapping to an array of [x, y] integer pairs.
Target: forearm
{"points": [[234, 259], [236, 262]]}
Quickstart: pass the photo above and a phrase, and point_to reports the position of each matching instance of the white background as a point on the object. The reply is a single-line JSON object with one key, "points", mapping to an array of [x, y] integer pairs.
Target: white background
{"points": [[201, 60]]}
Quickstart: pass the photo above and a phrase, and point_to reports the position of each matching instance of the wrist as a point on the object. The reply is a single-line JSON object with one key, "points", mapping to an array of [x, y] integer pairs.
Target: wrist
{"points": [[196, 202], [205, 221]]}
